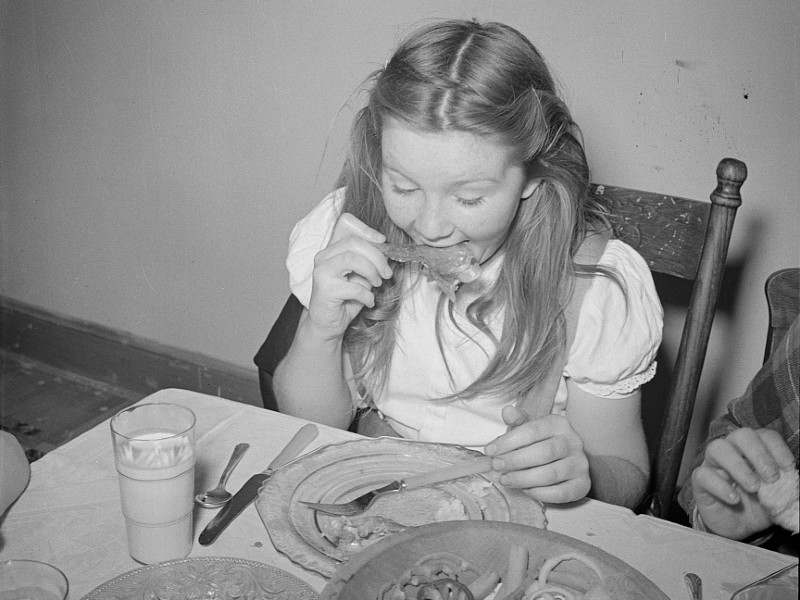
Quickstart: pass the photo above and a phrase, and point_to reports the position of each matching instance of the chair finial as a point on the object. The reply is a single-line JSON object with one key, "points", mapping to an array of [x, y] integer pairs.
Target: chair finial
{"points": [[731, 174]]}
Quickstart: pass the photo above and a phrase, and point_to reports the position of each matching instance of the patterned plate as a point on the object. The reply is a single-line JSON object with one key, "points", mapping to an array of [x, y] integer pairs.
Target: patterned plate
{"points": [[339, 472], [475, 547], [210, 578]]}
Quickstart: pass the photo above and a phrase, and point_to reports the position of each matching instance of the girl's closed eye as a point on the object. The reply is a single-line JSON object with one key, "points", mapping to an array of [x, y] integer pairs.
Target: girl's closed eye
{"points": [[475, 201], [402, 191]]}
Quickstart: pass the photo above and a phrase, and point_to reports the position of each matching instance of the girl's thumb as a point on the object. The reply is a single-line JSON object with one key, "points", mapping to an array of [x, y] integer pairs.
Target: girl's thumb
{"points": [[513, 415]]}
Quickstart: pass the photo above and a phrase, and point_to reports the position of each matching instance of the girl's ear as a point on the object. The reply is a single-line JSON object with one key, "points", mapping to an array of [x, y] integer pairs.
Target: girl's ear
{"points": [[530, 187]]}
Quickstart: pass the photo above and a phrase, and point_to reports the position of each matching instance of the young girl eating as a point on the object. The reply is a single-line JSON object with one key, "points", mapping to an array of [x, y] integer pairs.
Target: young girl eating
{"points": [[539, 360]]}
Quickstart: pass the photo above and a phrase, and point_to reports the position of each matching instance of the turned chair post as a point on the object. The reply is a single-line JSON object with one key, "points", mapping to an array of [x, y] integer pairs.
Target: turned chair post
{"points": [[725, 200]]}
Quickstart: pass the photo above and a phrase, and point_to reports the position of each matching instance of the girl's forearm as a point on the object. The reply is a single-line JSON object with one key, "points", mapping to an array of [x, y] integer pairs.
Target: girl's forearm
{"points": [[616, 481], [310, 381]]}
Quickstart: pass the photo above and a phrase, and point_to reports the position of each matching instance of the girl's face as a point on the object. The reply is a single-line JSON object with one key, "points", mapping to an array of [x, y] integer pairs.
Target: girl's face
{"points": [[450, 187]]}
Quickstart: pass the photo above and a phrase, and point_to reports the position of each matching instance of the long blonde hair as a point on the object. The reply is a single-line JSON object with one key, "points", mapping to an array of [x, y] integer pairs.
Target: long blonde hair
{"points": [[488, 80]]}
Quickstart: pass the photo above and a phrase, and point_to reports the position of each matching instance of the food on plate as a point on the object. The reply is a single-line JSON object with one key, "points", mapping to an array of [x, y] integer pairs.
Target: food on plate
{"points": [[357, 532], [543, 588], [515, 571], [782, 499], [392, 514], [444, 589], [525, 577], [448, 267], [428, 569]]}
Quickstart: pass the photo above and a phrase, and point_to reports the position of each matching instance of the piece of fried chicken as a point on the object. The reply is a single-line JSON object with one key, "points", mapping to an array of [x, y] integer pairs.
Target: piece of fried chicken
{"points": [[449, 266]]}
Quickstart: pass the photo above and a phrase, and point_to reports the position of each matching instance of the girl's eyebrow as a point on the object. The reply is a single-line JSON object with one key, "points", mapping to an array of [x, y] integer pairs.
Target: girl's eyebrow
{"points": [[480, 180], [461, 182], [394, 170]]}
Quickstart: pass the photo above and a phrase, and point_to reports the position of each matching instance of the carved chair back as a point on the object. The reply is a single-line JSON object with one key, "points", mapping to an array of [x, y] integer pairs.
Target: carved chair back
{"points": [[685, 239]]}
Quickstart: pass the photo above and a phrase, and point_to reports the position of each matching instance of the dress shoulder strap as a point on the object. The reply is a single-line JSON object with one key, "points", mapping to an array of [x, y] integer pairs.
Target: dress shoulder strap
{"points": [[589, 253], [539, 401]]}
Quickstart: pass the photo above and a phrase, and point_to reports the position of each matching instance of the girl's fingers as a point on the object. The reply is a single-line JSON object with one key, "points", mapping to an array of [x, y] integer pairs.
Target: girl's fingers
{"points": [[545, 452], [362, 295], [543, 457], [340, 290], [513, 415], [352, 247], [567, 491], [343, 263], [333, 311], [529, 432], [551, 473], [348, 225], [359, 280]]}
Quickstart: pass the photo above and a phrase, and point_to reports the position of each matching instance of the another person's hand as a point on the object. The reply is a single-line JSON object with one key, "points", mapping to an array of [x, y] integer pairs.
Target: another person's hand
{"points": [[543, 457], [726, 484], [345, 273]]}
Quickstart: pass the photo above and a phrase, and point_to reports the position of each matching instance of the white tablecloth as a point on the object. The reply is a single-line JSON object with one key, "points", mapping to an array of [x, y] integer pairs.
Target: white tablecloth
{"points": [[70, 514]]}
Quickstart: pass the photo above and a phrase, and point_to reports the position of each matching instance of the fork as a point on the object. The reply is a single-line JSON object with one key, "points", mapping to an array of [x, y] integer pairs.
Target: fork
{"points": [[364, 501], [771, 577]]}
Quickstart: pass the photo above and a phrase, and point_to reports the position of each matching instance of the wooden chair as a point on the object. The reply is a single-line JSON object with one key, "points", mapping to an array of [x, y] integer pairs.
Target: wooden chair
{"points": [[682, 238], [783, 299], [275, 348], [687, 239]]}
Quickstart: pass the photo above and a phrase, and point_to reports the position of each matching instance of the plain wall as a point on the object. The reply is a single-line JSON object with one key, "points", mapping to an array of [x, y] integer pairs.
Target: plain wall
{"points": [[154, 155]]}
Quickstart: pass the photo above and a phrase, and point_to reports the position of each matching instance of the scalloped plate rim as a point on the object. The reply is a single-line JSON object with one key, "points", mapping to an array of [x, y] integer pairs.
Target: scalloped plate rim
{"points": [[309, 557], [103, 587]]}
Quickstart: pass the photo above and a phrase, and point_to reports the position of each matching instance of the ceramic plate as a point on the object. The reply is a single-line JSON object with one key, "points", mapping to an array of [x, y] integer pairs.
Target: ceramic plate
{"points": [[475, 548], [211, 578], [339, 472]]}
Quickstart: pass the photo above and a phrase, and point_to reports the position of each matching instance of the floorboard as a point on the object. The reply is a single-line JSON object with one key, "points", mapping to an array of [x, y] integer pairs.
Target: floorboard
{"points": [[44, 407]]}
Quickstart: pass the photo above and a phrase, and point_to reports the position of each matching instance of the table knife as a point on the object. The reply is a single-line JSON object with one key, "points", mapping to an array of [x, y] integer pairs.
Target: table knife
{"points": [[248, 492]]}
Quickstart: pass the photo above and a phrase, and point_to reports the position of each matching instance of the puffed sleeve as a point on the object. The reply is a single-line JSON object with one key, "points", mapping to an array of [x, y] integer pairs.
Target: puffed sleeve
{"points": [[618, 332], [311, 234]]}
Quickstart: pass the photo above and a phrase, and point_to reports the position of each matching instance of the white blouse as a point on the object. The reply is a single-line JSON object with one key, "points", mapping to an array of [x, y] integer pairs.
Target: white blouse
{"points": [[612, 355]]}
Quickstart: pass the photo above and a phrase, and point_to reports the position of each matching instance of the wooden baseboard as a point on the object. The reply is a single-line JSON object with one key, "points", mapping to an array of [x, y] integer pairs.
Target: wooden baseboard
{"points": [[118, 358]]}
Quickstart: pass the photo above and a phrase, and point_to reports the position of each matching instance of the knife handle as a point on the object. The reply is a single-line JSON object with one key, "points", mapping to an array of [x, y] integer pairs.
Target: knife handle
{"points": [[479, 465], [304, 436]]}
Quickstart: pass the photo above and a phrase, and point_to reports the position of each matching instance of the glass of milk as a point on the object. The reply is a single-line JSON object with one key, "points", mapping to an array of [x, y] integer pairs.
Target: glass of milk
{"points": [[154, 452], [31, 579]]}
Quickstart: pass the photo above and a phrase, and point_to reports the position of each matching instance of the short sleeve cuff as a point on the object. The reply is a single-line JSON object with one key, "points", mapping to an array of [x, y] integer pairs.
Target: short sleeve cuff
{"points": [[619, 389]]}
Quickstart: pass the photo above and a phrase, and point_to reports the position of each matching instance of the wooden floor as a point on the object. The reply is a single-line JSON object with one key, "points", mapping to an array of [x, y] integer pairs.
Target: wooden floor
{"points": [[45, 407]]}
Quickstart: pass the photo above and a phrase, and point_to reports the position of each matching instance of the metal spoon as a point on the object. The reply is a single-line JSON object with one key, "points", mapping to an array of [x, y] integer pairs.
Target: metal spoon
{"points": [[218, 496], [695, 585]]}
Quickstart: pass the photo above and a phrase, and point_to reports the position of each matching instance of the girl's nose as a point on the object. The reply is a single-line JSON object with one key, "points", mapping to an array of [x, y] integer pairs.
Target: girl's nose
{"points": [[432, 220]]}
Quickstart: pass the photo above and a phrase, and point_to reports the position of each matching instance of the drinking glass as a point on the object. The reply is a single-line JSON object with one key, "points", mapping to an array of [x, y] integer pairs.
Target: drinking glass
{"points": [[154, 452], [31, 579]]}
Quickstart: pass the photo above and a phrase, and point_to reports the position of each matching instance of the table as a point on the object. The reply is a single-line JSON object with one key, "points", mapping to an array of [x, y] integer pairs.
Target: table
{"points": [[70, 514]]}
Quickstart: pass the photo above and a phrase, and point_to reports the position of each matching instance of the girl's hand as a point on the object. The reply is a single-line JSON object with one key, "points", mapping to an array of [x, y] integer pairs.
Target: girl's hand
{"points": [[543, 457], [725, 485], [344, 274]]}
